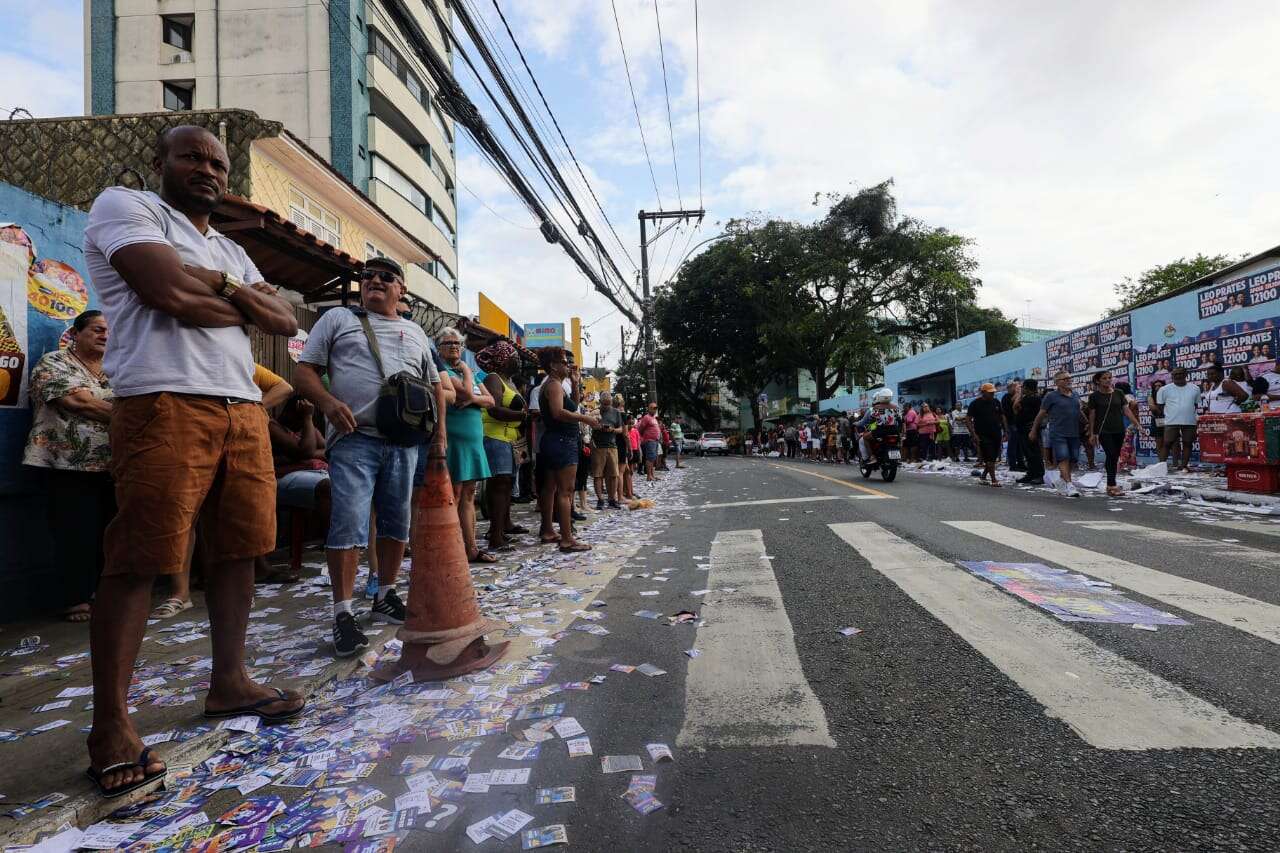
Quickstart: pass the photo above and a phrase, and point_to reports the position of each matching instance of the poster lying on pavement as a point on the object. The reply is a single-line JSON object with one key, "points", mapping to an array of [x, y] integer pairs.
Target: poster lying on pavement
{"points": [[1067, 595]]}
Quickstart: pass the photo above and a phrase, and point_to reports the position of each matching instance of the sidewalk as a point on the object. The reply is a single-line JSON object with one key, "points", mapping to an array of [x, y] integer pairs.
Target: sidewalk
{"points": [[43, 783]]}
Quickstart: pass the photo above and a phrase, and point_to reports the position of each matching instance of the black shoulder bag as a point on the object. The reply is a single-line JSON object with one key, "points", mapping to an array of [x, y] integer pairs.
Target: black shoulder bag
{"points": [[405, 412]]}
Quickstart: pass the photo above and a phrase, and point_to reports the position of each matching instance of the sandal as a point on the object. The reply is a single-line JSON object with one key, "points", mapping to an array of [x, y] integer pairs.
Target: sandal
{"points": [[482, 556], [575, 548], [255, 709], [79, 613], [171, 607], [143, 760]]}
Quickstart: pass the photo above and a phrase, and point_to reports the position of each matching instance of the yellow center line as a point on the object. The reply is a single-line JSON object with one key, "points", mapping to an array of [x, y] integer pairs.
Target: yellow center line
{"points": [[857, 486]]}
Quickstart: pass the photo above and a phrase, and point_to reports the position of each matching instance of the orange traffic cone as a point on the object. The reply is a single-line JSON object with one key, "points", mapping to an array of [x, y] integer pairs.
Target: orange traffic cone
{"points": [[443, 632]]}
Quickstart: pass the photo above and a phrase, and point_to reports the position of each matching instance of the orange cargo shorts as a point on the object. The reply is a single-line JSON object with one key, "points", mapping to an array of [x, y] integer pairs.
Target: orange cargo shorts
{"points": [[178, 456]]}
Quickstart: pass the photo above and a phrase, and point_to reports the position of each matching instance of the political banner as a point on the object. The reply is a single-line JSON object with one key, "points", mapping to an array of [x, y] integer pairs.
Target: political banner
{"points": [[1254, 351], [1256, 288], [1105, 345]]}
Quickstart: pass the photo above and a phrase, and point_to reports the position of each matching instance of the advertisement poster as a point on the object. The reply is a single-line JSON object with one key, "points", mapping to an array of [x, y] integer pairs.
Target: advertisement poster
{"points": [[15, 256], [968, 392], [1106, 345], [1254, 289]]}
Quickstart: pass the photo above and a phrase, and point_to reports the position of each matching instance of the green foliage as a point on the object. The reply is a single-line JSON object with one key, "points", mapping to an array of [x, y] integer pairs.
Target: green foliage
{"points": [[1167, 278], [828, 297], [1002, 333]]}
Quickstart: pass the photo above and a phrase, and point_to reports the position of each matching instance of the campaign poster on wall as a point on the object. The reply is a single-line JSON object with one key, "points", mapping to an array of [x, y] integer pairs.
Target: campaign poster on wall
{"points": [[1106, 345], [1256, 288]]}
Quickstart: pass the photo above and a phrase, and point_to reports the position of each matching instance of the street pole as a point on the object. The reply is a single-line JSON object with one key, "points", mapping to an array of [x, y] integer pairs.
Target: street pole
{"points": [[677, 216]]}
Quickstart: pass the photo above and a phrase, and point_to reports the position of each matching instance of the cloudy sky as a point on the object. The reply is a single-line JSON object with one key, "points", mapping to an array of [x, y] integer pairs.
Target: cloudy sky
{"points": [[1073, 143]]}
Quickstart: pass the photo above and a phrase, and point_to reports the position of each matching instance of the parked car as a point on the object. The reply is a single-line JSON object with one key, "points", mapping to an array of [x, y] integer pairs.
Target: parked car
{"points": [[712, 442]]}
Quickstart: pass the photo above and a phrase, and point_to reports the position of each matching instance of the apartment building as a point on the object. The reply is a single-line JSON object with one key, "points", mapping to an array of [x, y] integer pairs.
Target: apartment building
{"points": [[337, 74]]}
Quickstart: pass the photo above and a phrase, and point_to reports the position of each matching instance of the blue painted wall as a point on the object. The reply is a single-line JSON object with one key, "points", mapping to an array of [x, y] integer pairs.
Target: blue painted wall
{"points": [[102, 59], [945, 357], [26, 573], [348, 91], [1002, 368]]}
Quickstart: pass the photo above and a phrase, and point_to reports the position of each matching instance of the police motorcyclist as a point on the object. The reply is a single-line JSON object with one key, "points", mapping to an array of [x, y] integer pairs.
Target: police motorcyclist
{"points": [[883, 411]]}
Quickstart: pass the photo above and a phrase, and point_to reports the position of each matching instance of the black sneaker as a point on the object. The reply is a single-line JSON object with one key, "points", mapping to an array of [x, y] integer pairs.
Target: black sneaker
{"points": [[614, 505], [577, 516], [348, 639], [389, 609], [599, 505]]}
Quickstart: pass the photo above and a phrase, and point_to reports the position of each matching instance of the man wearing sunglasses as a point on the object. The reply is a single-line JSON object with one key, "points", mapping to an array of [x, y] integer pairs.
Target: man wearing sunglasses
{"points": [[363, 466]]}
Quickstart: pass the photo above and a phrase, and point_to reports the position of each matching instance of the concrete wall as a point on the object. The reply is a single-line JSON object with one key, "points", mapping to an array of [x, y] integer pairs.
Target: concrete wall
{"points": [[26, 572], [935, 360]]}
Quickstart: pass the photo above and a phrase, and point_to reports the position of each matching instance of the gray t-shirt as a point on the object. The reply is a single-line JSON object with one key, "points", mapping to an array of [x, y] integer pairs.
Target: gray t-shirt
{"points": [[609, 417], [151, 351], [1063, 414], [337, 344]]}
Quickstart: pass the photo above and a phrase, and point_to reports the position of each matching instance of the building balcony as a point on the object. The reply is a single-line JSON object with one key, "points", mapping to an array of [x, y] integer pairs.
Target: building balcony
{"points": [[392, 147], [409, 217], [392, 102]]}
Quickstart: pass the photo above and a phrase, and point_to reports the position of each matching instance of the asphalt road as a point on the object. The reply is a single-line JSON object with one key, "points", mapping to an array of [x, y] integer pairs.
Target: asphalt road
{"points": [[931, 743]]}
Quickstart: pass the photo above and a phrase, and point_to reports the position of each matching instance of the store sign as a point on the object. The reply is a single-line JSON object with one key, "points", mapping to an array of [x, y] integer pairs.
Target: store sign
{"points": [[538, 335]]}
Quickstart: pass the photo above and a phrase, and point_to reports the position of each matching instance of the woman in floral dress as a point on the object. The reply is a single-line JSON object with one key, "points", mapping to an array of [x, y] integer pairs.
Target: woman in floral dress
{"points": [[71, 407]]}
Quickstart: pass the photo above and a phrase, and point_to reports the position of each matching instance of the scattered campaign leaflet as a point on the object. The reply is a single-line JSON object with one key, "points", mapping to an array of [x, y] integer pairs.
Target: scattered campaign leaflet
{"points": [[548, 796], [620, 763], [659, 752], [1069, 596], [578, 746], [544, 836]]}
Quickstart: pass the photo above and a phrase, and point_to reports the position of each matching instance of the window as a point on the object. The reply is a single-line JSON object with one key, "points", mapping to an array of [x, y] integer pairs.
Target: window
{"points": [[443, 224], [176, 31], [395, 179], [371, 251], [179, 95], [310, 216], [440, 271], [381, 47]]}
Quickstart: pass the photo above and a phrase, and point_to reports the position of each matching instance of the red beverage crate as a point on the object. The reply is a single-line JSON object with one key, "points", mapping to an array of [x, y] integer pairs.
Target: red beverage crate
{"points": [[1211, 430], [1251, 437], [1253, 477]]}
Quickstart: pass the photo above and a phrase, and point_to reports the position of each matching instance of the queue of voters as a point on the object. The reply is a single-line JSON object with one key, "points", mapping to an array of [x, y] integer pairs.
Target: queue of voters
{"points": [[157, 432]]}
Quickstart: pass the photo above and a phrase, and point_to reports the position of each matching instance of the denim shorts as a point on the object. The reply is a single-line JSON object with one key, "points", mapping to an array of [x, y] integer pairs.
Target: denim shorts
{"points": [[365, 471], [650, 449], [298, 488], [501, 457], [1066, 448]]}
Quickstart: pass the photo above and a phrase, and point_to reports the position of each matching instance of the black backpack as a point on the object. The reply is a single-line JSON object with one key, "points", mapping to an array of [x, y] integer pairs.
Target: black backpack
{"points": [[405, 412]]}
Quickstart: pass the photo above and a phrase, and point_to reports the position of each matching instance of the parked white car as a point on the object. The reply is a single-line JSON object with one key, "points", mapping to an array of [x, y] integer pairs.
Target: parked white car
{"points": [[712, 442]]}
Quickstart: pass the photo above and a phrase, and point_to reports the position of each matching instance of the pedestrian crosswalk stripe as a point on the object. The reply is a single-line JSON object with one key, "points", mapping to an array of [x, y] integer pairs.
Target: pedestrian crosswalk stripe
{"points": [[1236, 525], [794, 500], [1215, 548], [1237, 611], [1108, 701], [746, 686]]}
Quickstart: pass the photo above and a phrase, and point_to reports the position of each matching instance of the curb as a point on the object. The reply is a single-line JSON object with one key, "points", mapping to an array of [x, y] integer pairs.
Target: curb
{"points": [[1234, 497], [88, 807]]}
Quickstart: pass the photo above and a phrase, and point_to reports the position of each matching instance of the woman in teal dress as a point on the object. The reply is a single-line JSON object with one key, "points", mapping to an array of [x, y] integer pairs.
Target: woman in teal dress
{"points": [[467, 461]]}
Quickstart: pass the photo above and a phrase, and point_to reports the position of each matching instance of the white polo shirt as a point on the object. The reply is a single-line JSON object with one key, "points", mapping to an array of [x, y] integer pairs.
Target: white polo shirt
{"points": [[150, 351]]}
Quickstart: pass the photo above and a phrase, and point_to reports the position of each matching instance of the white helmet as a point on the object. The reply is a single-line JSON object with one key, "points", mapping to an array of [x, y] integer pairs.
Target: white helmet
{"points": [[884, 395]]}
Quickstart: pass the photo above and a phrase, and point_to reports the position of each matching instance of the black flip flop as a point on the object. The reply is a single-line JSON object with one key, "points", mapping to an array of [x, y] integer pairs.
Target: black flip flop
{"points": [[144, 759], [516, 529], [254, 710]]}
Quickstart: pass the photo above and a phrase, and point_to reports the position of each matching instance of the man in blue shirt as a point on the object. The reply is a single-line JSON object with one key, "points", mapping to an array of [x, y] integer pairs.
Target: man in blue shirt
{"points": [[1061, 408]]}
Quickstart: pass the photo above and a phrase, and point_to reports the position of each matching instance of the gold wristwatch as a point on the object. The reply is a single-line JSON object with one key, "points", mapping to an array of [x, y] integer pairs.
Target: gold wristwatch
{"points": [[230, 284]]}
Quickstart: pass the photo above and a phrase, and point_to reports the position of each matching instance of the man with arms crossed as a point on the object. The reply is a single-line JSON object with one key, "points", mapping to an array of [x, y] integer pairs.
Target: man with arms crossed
{"points": [[188, 436]]}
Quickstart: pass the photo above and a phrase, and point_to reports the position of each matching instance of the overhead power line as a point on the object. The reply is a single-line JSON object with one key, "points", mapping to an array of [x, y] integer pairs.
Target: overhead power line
{"points": [[556, 178], [555, 122], [662, 56], [457, 104], [697, 64], [635, 103]]}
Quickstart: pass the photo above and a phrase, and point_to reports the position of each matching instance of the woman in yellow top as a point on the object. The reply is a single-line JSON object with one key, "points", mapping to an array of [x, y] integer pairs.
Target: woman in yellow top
{"points": [[501, 430]]}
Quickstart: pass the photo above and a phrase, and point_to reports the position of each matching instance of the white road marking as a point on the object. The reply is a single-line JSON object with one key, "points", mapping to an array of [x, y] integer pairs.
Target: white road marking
{"points": [[1215, 547], [1237, 611], [1222, 526], [746, 687], [1108, 701], [794, 500]]}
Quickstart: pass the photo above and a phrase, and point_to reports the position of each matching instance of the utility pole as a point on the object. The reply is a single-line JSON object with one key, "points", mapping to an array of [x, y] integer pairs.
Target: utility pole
{"points": [[677, 216]]}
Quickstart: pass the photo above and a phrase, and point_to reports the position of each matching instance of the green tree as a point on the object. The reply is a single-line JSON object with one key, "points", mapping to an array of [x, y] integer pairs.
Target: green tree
{"points": [[687, 384], [1002, 333], [1165, 279]]}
